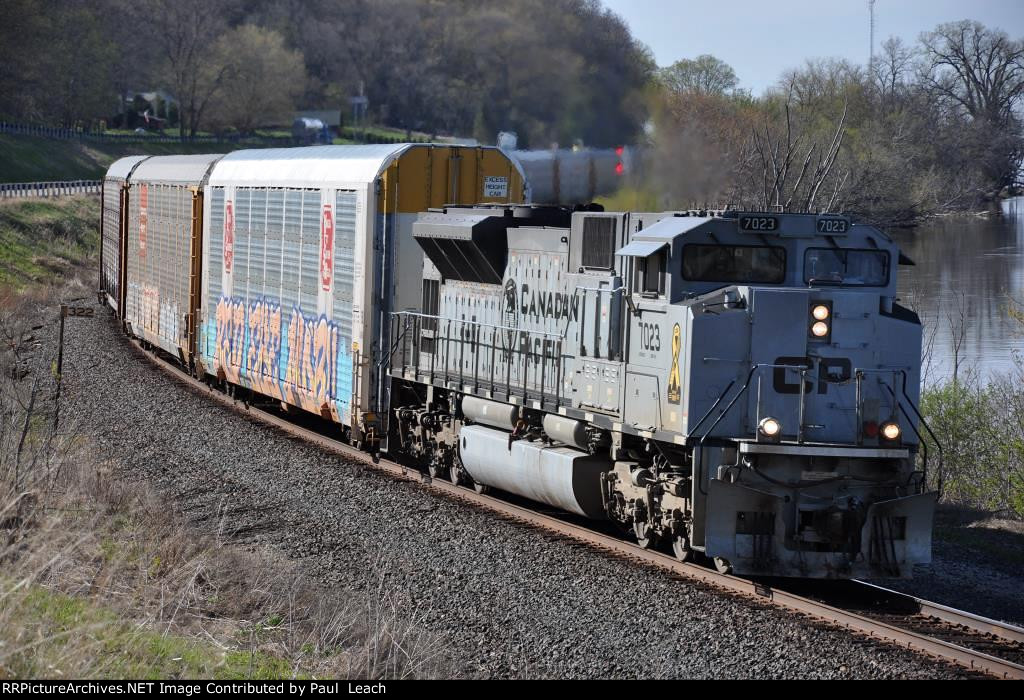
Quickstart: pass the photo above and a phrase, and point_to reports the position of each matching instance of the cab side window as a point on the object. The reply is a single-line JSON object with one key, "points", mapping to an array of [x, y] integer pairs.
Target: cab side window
{"points": [[650, 274]]}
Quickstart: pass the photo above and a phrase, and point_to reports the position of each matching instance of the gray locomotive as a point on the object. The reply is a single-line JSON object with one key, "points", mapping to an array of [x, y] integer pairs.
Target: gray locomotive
{"points": [[740, 385]]}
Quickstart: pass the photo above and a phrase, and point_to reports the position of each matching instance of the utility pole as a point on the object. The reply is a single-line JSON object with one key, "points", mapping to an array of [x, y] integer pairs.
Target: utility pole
{"points": [[871, 21]]}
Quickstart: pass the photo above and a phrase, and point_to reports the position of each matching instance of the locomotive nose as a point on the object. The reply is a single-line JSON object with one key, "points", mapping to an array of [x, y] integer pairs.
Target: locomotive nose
{"points": [[779, 347]]}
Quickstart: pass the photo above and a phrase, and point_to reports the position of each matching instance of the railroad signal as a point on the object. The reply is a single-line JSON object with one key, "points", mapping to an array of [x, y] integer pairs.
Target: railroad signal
{"points": [[620, 168]]}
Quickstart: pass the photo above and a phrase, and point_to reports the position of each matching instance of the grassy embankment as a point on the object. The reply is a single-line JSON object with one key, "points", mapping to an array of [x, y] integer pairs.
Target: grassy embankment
{"points": [[43, 241], [34, 159], [98, 577]]}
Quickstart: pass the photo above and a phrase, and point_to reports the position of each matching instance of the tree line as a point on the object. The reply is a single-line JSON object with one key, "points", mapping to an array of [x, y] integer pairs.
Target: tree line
{"points": [[923, 129], [550, 70]]}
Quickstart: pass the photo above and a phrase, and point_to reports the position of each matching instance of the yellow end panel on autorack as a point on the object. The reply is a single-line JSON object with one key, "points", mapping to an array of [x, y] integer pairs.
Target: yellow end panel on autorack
{"points": [[429, 177], [307, 252]]}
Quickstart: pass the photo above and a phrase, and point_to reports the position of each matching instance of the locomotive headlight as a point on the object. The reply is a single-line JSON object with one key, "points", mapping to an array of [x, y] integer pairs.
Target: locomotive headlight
{"points": [[891, 431], [769, 428], [819, 329], [820, 312]]}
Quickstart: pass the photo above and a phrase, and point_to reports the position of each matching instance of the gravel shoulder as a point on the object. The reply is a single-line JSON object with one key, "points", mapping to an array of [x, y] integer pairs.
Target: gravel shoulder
{"points": [[507, 601], [977, 565]]}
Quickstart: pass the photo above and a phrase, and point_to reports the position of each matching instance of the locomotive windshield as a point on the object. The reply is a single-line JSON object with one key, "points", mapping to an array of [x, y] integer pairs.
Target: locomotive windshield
{"points": [[734, 263], [842, 266]]}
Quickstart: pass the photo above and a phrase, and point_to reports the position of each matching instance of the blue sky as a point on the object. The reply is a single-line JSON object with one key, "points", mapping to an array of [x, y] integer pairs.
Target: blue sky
{"points": [[760, 39]]}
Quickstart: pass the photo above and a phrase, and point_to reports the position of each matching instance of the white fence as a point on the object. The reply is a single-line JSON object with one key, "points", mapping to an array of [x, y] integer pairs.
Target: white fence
{"points": [[49, 189]]}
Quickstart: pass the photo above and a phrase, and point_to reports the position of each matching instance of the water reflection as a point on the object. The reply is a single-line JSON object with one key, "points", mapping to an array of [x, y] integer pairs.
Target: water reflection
{"points": [[968, 270]]}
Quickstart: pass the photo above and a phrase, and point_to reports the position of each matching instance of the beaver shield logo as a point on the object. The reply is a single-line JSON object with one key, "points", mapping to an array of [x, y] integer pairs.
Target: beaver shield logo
{"points": [[510, 315], [674, 385]]}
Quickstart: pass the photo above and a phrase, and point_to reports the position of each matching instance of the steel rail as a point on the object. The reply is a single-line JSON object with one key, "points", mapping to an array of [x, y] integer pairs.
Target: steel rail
{"points": [[976, 623], [756, 591]]}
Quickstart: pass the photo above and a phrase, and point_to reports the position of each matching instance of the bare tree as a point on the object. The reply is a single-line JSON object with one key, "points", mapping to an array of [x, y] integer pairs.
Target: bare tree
{"points": [[958, 326], [892, 68], [980, 69], [185, 32], [778, 156]]}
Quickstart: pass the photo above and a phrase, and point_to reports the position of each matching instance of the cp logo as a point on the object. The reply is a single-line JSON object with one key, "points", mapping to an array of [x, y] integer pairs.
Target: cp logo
{"points": [[830, 370]]}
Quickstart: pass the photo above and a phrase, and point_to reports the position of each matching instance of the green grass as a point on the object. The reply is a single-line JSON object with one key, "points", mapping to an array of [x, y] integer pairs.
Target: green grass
{"points": [[382, 132], [40, 239], [34, 159], [62, 635]]}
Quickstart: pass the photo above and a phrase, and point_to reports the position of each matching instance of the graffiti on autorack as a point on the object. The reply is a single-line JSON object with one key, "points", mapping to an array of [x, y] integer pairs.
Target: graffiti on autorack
{"points": [[301, 360]]}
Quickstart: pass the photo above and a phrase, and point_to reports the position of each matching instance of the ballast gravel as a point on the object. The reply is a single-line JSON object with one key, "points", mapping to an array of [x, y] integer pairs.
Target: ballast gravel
{"points": [[506, 600]]}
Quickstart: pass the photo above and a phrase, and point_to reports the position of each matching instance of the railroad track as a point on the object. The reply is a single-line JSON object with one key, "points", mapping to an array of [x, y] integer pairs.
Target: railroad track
{"points": [[976, 643]]}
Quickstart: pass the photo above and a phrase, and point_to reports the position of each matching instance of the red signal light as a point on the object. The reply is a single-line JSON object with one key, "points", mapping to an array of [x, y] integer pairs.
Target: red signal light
{"points": [[619, 150], [619, 168]]}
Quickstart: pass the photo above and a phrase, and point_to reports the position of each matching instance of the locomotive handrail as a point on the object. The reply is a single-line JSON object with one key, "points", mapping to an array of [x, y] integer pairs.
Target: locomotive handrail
{"points": [[698, 469], [938, 445], [523, 357], [477, 323], [746, 385], [920, 439], [896, 400]]}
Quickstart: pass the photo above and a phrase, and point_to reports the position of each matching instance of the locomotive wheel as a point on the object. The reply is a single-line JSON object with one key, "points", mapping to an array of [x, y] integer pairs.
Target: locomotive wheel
{"points": [[643, 534], [723, 566], [437, 470], [681, 548], [455, 473]]}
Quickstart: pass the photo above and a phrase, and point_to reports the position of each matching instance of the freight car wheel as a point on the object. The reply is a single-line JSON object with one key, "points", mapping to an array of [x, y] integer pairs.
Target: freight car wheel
{"points": [[681, 548], [723, 565], [482, 489]]}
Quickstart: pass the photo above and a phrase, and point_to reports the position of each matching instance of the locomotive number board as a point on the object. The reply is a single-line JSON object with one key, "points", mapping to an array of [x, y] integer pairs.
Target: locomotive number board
{"points": [[833, 225], [796, 226], [758, 223]]}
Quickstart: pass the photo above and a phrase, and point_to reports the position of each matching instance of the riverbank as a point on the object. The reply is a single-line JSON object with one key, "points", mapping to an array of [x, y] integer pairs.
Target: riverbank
{"points": [[994, 209]]}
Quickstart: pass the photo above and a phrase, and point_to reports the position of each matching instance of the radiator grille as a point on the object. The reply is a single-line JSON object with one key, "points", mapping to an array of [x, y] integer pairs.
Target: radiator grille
{"points": [[599, 242]]}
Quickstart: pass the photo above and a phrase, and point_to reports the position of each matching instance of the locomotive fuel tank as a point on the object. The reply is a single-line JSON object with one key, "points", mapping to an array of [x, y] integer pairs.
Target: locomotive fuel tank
{"points": [[558, 476]]}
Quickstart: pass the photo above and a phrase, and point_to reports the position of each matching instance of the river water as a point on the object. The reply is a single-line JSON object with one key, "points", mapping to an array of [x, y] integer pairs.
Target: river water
{"points": [[968, 270]]}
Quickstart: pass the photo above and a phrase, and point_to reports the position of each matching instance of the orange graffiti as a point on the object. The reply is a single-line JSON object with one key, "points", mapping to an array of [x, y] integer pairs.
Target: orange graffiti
{"points": [[249, 347]]}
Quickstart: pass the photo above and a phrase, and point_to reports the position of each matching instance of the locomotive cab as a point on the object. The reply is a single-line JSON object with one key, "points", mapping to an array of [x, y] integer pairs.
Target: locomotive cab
{"points": [[793, 375]]}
